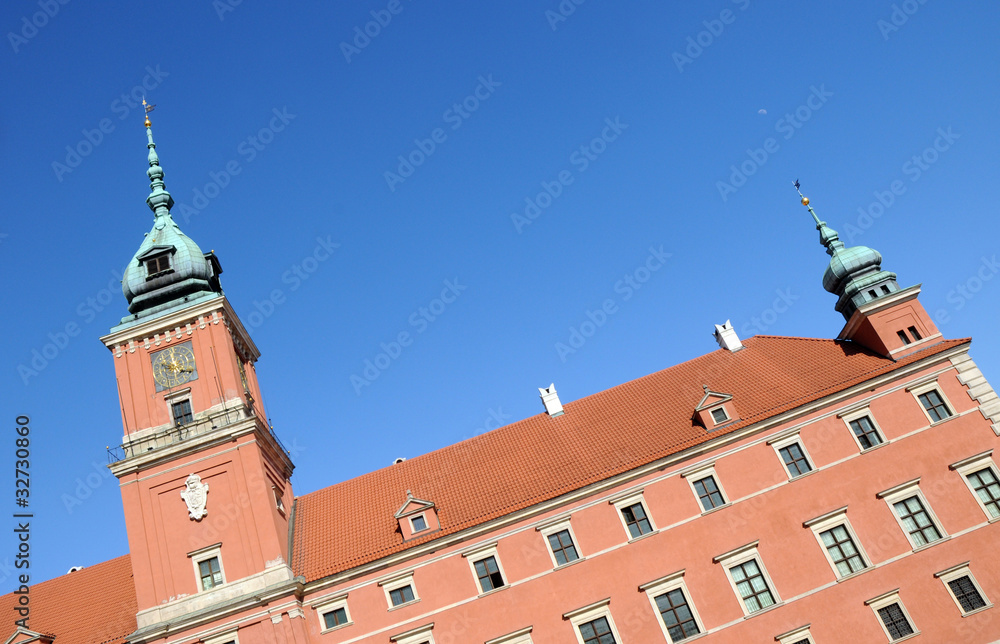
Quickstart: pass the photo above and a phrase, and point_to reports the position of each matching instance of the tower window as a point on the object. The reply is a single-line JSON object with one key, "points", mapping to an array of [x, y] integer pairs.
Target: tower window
{"points": [[157, 264], [211, 573], [872, 294], [914, 333], [902, 336], [182, 412], [885, 289]]}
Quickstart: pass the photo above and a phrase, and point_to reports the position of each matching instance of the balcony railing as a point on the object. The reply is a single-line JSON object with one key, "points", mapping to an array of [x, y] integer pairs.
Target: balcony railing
{"points": [[180, 433]]}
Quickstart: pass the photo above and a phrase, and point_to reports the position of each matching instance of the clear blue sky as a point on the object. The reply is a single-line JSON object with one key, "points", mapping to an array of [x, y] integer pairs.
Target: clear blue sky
{"points": [[869, 96]]}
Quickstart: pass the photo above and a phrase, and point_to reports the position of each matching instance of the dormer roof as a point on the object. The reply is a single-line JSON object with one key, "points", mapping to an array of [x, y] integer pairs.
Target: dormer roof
{"points": [[412, 506]]}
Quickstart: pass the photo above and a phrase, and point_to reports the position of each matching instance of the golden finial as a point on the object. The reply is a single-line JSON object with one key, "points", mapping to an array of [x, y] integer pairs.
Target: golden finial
{"points": [[149, 108], [805, 199]]}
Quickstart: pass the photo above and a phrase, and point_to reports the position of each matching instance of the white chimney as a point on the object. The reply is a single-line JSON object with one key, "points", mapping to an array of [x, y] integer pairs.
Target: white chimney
{"points": [[551, 400], [726, 336]]}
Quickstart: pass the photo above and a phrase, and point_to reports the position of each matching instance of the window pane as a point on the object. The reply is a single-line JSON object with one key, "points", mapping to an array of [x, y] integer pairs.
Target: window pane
{"points": [[752, 586], [636, 521], [987, 488], [401, 595], [676, 615], [865, 430], [419, 524], [335, 617], [895, 621], [708, 493], [966, 594], [934, 405], [795, 460], [597, 632], [917, 522], [562, 547], [489, 574], [843, 552]]}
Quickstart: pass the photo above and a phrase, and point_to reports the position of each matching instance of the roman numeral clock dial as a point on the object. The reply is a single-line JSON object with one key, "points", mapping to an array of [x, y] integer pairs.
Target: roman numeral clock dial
{"points": [[174, 366]]}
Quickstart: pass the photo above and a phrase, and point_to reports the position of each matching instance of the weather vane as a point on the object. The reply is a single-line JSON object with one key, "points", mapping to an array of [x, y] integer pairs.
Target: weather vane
{"points": [[805, 199], [149, 108]]}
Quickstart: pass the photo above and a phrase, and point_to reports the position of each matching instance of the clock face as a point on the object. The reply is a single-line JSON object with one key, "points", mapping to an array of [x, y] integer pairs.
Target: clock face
{"points": [[174, 366]]}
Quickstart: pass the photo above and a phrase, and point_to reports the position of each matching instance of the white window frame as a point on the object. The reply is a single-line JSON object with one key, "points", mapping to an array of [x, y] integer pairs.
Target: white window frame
{"points": [[663, 585], [786, 441], [417, 635], [725, 413], [204, 554], [858, 414], [171, 399], [742, 555], [328, 606], [904, 491], [887, 599], [590, 613], [933, 385], [699, 472], [484, 552], [630, 499], [226, 637], [971, 465], [956, 572], [796, 635], [829, 521], [520, 636], [558, 525], [395, 582]]}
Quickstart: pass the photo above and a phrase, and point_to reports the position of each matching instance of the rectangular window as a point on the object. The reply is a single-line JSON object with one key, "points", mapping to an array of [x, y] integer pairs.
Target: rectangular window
{"points": [[916, 521], [966, 594], [914, 333], [795, 460], [335, 618], [488, 573], [419, 523], [843, 553], [709, 493], [985, 485], [157, 264], [719, 415], [402, 595], [895, 621], [752, 586], [211, 573], [934, 405], [902, 336], [597, 631], [636, 520], [182, 412], [866, 432], [676, 614], [562, 547]]}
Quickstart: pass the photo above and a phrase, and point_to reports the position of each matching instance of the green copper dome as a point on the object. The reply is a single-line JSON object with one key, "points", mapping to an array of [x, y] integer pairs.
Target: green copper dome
{"points": [[854, 274], [169, 268]]}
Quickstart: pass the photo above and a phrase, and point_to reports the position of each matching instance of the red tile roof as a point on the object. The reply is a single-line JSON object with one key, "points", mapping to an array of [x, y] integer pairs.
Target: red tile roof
{"points": [[95, 605], [542, 457]]}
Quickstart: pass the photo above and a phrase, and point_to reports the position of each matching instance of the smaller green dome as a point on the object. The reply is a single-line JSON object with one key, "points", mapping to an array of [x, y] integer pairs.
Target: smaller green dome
{"points": [[847, 262]]}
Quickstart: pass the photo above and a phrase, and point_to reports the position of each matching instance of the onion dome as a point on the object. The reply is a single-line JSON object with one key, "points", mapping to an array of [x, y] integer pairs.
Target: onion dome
{"points": [[855, 273], [168, 268]]}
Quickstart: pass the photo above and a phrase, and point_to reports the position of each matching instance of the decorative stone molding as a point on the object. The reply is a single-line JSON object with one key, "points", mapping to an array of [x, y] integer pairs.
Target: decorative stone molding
{"points": [[979, 389], [195, 494]]}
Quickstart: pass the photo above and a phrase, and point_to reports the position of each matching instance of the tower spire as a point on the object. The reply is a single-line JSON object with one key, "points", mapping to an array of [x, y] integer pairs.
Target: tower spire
{"points": [[827, 236], [855, 274], [159, 200]]}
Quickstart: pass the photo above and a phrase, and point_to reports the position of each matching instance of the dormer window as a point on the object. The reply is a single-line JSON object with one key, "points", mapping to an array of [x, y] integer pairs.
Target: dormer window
{"points": [[719, 415], [417, 517], [157, 265], [714, 409]]}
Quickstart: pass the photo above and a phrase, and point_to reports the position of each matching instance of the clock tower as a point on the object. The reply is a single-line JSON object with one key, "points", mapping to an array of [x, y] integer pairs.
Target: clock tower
{"points": [[204, 480]]}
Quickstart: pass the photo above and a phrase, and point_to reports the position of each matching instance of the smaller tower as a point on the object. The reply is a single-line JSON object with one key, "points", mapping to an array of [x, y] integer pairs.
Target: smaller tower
{"points": [[880, 315]]}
